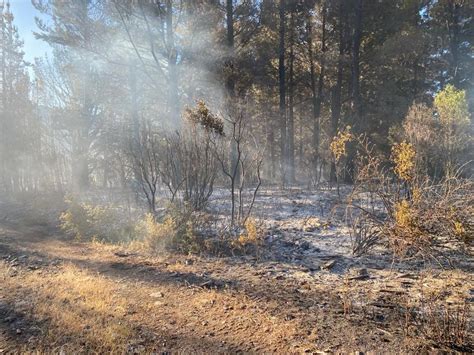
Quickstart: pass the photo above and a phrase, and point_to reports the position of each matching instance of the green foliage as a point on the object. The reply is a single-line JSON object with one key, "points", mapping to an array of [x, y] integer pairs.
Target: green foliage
{"points": [[85, 221], [441, 134], [454, 135], [451, 105]]}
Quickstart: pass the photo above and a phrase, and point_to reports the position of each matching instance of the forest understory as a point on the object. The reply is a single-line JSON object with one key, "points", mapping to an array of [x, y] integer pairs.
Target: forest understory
{"points": [[304, 291]]}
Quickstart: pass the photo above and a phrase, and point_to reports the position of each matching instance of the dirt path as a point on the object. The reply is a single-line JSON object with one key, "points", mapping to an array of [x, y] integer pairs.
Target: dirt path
{"points": [[58, 295]]}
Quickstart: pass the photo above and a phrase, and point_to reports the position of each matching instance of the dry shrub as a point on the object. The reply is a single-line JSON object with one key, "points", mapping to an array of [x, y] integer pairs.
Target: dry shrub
{"points": [[201, 115], [421, 130], [370, 198], [338, 145], [240, 158], [346, 293], [338, 148], [445, 324], [364, 234], [250, 238], [145, 160], [188, 164], [183, 161], [441, 135], [181, 229], [436, 215], [440, 316], [85, 221], [394, 200], [403, 157], [156, 236]]}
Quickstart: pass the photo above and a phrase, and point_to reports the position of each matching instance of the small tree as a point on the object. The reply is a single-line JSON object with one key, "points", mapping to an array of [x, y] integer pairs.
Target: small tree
{"points": [[440, 135], [144, 153], [421, 130], [189, 166], [452, 109], [246, 165], [338, 149]]}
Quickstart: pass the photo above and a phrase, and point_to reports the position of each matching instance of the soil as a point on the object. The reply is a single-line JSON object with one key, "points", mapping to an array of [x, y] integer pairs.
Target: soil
{"points": [[304, 293]]}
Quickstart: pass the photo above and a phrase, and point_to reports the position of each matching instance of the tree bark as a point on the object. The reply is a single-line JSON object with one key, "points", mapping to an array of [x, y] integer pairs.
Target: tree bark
{"points": [[173, 97], [453, 28], [282, 88], [356, 100], [291, 100], [230, 84], [317, 92], [337, 89], [356, 114]]}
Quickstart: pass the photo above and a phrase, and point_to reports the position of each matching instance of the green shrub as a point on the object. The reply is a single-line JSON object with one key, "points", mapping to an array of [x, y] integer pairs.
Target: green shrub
{"points": [[85, 221]]}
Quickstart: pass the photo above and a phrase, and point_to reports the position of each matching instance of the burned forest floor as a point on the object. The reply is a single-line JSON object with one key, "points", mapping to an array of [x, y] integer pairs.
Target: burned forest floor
{"points": [[302, 292]]}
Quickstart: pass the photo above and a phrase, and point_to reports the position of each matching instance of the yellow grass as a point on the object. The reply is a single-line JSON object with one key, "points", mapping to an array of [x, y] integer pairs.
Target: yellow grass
{"points": [[82, 310]]}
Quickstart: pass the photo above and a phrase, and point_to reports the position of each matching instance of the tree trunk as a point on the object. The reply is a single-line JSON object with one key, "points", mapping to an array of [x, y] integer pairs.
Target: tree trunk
{"points": [[134, 106], [282, 87], [230, 83], [453, 28], [317, 92], [270, 139], [356, 100], [173, 97], [291, 100], [337, 88], [3, 117], [357, 124]]}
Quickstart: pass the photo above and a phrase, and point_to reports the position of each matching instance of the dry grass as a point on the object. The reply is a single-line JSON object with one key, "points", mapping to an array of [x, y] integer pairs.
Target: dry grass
{"points": [[438, 313], [99, 301], [80, 310]]}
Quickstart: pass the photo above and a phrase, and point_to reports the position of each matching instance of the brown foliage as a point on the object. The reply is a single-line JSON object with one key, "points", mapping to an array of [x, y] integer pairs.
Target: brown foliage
{"points": [[411, 211]]}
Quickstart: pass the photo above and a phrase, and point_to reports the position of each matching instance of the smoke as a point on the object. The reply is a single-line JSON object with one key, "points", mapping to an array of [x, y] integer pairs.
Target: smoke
{"points": [[116, 66]]}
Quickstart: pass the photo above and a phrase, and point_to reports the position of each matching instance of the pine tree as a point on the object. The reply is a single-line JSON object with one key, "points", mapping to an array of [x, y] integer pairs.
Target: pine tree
{"points": [[15, 108]]}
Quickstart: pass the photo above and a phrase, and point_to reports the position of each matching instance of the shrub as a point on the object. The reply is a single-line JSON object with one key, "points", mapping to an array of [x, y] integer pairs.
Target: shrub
{"points": [[439, 313], [339, 142], [156, 236], [145, 160], [201, 115], [364, 234], [421, 130], [338, 148], [182, 161], [85, 221], [403, 156], [181, 229], [415, 213], [440, 135], [189, 166], [251, 237], [452, 107], [240, 159]]}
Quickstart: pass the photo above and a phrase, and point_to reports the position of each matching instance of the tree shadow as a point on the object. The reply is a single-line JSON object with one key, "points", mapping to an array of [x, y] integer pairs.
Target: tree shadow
{"points": [[24, 332]]}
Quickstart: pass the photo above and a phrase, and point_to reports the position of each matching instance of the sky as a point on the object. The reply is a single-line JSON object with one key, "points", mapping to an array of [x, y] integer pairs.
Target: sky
{"points": [[24, 14]]}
